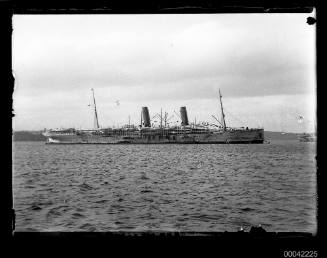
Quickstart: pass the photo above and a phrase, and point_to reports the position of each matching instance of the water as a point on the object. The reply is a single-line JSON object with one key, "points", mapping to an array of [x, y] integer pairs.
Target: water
{"points": [[164, 187]]}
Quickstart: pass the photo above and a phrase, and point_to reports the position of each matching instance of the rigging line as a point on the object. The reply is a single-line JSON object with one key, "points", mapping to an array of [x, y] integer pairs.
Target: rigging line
{"points": [[155, 116], [217, 120], [177, 114]]}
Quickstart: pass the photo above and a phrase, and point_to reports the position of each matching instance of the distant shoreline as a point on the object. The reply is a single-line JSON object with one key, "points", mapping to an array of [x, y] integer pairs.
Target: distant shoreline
{"points": [[23, 136]]}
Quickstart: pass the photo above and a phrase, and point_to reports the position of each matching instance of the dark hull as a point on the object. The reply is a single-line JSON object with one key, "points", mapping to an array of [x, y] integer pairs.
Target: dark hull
{"points": [[253, 136], [140, 143]]}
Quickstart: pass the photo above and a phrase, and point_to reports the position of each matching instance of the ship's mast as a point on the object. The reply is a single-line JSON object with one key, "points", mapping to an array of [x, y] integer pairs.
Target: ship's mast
{"points": [[161, 118], [222, 112], [165, 118], [96, 121]]}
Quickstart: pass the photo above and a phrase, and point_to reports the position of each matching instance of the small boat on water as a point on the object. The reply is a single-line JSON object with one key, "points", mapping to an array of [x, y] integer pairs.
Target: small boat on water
{"points": [[307, 137]]}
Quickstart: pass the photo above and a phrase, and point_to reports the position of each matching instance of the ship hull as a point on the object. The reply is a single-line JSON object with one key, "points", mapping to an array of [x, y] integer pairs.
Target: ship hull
{"points": [[253, 136], [144, 143]]}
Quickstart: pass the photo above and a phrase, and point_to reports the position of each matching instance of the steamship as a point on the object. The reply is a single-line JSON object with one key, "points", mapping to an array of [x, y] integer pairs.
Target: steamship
{"points": [[147, 133]]}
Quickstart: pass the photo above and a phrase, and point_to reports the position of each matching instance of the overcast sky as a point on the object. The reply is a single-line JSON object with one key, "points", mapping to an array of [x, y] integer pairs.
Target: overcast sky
{"points": [[264, 65]]}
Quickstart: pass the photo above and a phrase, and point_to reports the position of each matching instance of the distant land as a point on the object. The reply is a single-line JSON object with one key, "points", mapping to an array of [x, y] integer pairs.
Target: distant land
{"points": [[37, 136], [274, 136], [27, 136]]}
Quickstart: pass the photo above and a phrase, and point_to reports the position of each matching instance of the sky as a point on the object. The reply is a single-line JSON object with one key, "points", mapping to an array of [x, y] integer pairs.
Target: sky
{"points": [[264, 65]]}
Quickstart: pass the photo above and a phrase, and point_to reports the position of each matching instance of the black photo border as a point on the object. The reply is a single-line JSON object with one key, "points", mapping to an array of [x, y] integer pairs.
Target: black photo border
{"points": [[267, 244]]}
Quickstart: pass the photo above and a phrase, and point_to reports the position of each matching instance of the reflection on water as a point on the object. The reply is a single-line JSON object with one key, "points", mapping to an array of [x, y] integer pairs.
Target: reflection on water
{"points": [[164, 187]]}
